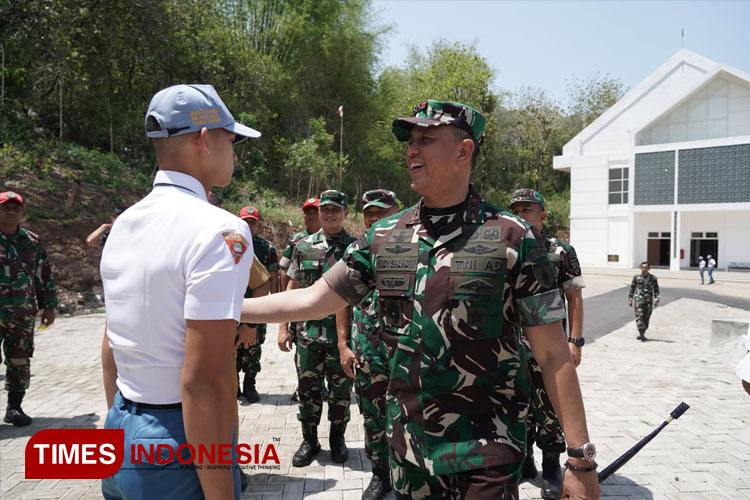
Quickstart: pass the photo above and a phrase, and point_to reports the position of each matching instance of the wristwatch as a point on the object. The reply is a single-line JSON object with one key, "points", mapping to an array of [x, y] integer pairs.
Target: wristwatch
{"points": [[579, 341], [587, 452]]}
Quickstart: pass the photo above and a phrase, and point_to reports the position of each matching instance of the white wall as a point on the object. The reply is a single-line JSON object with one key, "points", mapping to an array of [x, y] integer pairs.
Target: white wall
{"points": [[739, 110], [737, 246], [589, 237]]}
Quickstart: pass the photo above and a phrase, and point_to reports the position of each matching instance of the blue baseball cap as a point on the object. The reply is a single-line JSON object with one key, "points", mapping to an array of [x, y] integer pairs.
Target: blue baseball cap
{"points": [[182, 109]]}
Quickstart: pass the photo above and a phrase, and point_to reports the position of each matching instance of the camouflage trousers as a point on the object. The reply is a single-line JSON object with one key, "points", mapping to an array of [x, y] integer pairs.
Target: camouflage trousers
{"points": [[371, 384], [542, 424], [248, 358], [17, 337], [642, 315], [489, 483], [318, 362]]}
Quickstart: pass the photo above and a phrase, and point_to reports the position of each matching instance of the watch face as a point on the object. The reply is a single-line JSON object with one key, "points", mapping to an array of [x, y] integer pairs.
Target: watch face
{"points": [[589, 452]]}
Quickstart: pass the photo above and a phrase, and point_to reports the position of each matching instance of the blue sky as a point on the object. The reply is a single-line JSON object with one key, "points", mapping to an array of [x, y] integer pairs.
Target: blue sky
{"points": [[545, 44]]}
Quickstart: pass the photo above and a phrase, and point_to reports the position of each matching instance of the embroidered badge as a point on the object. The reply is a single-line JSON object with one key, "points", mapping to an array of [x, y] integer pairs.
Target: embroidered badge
{"points": [[237, 245]]}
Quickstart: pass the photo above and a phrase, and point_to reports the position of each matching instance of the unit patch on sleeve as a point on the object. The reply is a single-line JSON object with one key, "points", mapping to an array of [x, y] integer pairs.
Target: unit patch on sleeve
{"points": [[237, 245]]}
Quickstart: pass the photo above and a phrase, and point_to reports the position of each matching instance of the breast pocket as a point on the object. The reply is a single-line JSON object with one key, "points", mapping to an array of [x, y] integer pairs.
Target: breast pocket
{"points": [[395, 301]]}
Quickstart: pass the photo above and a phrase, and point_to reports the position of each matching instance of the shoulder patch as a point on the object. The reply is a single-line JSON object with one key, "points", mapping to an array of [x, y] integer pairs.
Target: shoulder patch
{"points": [[237, 245]]}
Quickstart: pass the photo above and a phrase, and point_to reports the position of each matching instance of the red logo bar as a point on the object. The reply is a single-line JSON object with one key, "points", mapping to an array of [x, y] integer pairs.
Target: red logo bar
{"points": [[74, 453]]}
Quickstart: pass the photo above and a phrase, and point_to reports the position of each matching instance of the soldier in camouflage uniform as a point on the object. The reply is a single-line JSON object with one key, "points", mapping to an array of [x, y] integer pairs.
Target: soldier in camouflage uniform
{"points": [[457, 278], [363, 350], [542, 424], [312, 225], [317, 357], [26, 286], [644, 291], [248, 357]]}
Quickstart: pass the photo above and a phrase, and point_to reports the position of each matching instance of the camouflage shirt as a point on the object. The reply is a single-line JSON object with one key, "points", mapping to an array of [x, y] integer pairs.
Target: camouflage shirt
{"points": [[564, 261], [458, 391], [266, 255], [286, 257], [644, 288], [312, 256], [26, 283], [365, 332]]}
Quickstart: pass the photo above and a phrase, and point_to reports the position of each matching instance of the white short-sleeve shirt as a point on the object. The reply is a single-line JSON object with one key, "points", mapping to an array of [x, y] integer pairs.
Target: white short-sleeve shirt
{"points": [[169, 258]]}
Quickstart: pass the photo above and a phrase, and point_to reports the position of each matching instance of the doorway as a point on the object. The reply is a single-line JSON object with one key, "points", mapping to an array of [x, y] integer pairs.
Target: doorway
{"points": [[703, 246], [658, 251]]}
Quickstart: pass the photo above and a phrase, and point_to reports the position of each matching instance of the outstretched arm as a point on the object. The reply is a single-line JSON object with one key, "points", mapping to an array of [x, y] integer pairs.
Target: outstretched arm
{"points": [[92, 239], [314, 302]]}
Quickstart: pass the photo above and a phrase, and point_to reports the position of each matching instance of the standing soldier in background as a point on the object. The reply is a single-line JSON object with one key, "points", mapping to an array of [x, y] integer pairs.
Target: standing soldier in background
{"points": [[26, 286], [312, 225], [317, 357], [248, 356], [644, 291], [542, 424], [364, 352]]}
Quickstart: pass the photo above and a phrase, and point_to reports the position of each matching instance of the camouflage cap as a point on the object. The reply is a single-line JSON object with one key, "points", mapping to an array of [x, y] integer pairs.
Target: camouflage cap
{"points": [[382, 198], [431, 113], [527, 194], [10, 196], [249, 212], [333, 197]]}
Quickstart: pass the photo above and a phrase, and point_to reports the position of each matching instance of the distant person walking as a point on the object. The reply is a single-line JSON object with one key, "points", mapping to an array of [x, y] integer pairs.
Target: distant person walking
{"points": [[701, 268], [644, 291], [711, 266]]}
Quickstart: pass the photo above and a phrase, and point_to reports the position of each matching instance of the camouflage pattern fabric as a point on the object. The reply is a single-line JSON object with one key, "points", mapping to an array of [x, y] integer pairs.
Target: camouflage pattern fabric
{"points": [[317, 355], [26, 286], [542, 423], [372, 376], [495, 483], [316, 362], [458, 391], [284, 263], [644, 290], [248, 358]]}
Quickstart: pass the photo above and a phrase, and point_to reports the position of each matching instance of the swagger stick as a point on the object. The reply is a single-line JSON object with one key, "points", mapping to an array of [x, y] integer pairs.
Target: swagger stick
{"points": [[623, 459]]}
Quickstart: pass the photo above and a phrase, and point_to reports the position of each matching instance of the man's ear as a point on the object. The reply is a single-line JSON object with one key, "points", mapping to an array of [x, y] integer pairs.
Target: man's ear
{"points": [[466, 150], [544, 215], [201, 141], [346, 213]]}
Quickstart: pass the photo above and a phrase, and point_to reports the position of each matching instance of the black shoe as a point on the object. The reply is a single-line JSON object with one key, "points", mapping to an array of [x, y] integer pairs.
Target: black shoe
{"points": [[324, 394], [551, 479], [295, 398], [244, 481], [17, 417], [380, 484], [339, 451], [309, 448], [248, 389], [528, 471]]}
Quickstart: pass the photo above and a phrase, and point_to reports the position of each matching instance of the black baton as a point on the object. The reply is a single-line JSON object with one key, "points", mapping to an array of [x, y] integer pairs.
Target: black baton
{"points": [[623, 459]]}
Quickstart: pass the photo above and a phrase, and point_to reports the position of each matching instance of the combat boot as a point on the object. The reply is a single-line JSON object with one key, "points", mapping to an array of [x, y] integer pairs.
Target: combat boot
{"points": [[339, 451], [528, 470], [14, 414], [248, 388], [550, 482], [380, 484], [309, 448]]}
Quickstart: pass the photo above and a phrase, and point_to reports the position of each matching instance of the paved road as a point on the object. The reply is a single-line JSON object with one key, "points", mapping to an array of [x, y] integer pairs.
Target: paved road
{"points": [[629, 388], [609, 311]]}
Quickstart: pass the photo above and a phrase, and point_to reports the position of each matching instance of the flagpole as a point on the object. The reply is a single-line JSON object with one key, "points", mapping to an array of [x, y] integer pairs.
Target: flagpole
{"points": [[341, 146]]}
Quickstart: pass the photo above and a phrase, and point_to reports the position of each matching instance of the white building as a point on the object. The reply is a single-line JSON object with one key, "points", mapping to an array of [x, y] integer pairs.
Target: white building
{"points": [[664, 174]]}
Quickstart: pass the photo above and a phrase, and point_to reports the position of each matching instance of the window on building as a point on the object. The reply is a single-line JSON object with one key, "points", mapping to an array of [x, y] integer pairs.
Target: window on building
{"points": [[618, 186], [653, 235], [712, 235]]}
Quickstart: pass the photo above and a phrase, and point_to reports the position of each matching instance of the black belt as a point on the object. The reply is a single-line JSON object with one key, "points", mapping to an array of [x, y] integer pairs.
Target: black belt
{"points": [[148, 406]]}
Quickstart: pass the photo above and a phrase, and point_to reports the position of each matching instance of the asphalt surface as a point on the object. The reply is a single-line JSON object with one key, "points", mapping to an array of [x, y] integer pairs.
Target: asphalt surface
{"points": [[609, 311]]}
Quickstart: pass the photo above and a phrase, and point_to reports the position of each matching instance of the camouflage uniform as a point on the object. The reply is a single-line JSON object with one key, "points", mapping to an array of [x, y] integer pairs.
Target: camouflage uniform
{"points": [[452, 302], [284, 263], [26, 286], [372, 376], [248, 358], [317, 342], [644, 291], [543, 425]]}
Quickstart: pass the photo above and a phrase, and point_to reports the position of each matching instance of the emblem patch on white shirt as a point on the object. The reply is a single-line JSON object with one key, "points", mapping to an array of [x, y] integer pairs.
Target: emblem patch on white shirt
{"points": [[237, 245]]}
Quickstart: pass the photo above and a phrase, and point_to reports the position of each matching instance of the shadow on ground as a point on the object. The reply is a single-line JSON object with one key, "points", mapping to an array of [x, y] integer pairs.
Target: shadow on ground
{"points": [[85, 421]]}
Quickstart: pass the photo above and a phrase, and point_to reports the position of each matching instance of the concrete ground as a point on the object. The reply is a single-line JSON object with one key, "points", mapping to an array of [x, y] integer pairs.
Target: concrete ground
{"points": [[629, 388]]}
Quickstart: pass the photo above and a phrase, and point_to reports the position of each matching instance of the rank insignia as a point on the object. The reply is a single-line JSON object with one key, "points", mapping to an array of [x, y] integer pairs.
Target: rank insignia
{"points": [[237, 245]]}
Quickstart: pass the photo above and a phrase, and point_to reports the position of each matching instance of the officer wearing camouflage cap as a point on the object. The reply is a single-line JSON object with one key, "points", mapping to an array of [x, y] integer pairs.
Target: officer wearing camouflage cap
{"points": [[543, 425], [364, 352], [317, 356], [456, 278]]}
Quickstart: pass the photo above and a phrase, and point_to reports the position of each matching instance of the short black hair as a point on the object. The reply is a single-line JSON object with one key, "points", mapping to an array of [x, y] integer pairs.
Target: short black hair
{"points": [[645, 262]]}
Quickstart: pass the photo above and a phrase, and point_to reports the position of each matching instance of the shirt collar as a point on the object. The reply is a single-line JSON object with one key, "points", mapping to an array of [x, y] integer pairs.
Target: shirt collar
{"points": [[472, 211], [188, 182]]}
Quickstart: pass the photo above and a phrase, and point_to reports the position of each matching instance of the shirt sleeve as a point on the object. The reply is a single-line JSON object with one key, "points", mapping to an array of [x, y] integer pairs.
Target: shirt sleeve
{"points": [[273, 260], [44, 283], [286, 257], [217, 272], [537, 299], [295, 271], [572, 279], [353, 277]]}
